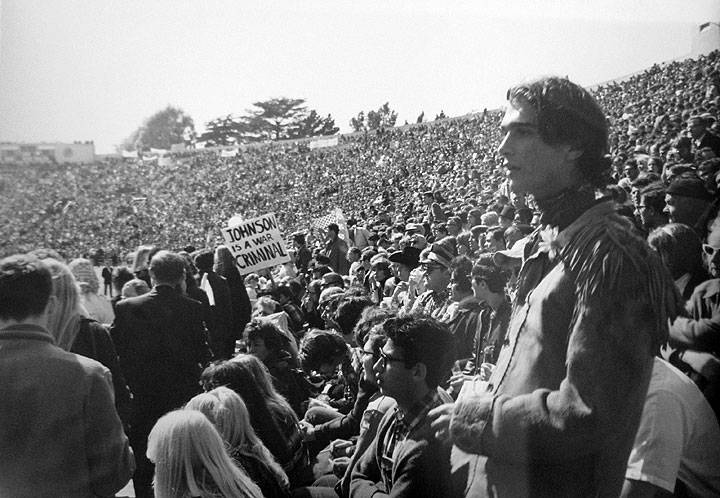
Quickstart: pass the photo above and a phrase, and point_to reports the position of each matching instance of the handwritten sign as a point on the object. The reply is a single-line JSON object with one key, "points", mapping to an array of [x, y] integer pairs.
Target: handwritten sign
{"points": [[256, 243]]}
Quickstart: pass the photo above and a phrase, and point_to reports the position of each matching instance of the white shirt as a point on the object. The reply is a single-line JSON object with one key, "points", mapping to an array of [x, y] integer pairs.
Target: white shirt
{"points": [[678, 437]]}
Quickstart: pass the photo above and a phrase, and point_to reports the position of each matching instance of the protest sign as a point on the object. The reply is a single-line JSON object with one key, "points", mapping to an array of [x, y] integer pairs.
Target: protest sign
{"points": [[324, 142], [335, 216], [256, 243]]}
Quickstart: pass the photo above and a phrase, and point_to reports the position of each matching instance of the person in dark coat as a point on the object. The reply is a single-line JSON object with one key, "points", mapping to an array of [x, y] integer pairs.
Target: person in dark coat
{"points": [[303, 255], [336, 250], [701, 136], [160, 340], [239, 300], [221, 335]]}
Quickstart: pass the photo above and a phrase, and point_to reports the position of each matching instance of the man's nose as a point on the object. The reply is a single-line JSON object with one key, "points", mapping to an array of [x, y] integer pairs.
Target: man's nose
{"points": [[503, 148]]}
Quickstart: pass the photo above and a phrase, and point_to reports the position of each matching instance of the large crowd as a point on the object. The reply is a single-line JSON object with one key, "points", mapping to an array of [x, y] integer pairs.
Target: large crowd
{"points": [[282, 381]]}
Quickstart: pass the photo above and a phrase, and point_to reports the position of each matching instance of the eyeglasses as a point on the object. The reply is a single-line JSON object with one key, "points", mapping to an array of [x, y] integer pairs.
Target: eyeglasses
{"points": [[385, 358], [429, 268], [710, 250]]}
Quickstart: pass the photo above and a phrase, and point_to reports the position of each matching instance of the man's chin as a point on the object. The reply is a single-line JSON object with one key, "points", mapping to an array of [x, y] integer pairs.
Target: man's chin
{"points": [[384, 391]]}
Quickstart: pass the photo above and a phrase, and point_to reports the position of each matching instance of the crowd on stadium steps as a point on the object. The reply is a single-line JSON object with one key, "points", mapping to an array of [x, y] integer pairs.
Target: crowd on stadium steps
{"points": [[295, 368], [117, 205]]}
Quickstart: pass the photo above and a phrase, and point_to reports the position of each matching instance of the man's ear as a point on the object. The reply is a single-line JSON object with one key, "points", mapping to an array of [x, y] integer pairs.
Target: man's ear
{"points": [[420, 371], [573, 154]]}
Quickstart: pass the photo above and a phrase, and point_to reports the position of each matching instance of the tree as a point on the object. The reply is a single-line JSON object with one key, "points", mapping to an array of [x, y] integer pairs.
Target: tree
{"points": [[275, 118], [161, 130], [313, 125], [222, 131], [441, 115], [421, 117], [384, 117], [358, 123]]}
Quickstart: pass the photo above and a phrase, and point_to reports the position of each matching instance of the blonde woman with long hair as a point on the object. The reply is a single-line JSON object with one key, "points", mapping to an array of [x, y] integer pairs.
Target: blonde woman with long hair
{"points": [[272, 418], [228, 413], [64, 320], [191, 460], [75, 333]]}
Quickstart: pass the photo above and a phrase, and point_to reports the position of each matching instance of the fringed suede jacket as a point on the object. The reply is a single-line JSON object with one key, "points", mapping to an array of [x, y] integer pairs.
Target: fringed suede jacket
{"points": [[565, 399]]}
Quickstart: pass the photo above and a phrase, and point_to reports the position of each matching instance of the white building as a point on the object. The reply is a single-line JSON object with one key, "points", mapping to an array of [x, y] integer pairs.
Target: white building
{"points": [[59, 153]]}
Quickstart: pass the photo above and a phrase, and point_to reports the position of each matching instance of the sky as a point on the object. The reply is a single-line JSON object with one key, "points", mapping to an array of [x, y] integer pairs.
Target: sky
{"points": [[96, 69]]}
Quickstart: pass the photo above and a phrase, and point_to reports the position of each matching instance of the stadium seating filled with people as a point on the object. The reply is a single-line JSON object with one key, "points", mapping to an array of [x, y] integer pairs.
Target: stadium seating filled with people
{"points": [[406, 268]]}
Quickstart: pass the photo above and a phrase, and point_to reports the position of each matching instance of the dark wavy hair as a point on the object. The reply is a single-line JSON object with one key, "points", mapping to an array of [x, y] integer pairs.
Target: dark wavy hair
{"points": [[369, 318], [423, 340], [679, 246], [25, 286], [349, 311], [273, 338], [568, 114], [320, 346]]}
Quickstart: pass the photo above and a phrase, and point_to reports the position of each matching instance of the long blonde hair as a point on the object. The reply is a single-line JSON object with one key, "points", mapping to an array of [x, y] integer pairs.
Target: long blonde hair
{"points": [[64, 321], [228, 413], [191, 460]]}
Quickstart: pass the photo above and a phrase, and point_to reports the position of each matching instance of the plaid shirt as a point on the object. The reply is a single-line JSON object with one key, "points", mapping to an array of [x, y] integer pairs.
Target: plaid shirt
{"points": [[402, 426], [431, 303]]}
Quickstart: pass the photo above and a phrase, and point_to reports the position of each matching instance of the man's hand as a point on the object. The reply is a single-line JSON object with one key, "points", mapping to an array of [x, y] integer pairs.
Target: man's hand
{"points": [[457, 380], [307, 431], [340, 465], [440, 418], [341, 448], [706, 364]]}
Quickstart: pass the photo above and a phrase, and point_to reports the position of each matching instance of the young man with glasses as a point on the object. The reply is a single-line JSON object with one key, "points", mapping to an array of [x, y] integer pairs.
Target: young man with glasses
{"points": [[405, 459], [650, 210]]}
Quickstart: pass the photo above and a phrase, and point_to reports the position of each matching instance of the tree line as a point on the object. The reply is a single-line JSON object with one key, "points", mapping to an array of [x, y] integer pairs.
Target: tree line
{"points": [[279, 118]]}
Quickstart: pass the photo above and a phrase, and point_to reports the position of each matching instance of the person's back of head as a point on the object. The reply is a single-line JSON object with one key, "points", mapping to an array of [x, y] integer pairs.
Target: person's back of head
{"points": [[679, 247], [228, 413], [190, 459], [167, 268], [349, 311], [204, 260], [25, 288], [319, 347], [423, 340], [247, 376], [120, 276], [369, 318], [133, 288], [224, 261]]}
